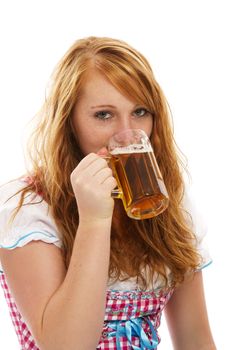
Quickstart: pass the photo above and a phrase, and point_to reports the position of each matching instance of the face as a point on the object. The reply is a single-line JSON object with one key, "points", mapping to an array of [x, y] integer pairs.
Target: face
{"points": [[102, 111]]}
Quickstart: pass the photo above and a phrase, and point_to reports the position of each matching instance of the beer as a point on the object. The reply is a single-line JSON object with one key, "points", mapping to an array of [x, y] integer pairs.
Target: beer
{"points": [[143, 191]]}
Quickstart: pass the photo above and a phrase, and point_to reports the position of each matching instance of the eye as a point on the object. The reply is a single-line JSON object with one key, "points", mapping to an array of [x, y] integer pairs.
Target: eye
{"points": [[141, 112], [103, 115]]}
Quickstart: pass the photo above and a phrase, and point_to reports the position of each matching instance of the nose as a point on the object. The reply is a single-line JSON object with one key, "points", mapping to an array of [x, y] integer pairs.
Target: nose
{"points": [[124, 123]]}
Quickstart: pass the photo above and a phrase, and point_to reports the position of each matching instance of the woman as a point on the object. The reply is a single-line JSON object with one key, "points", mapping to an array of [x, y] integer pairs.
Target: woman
{"points": [[84, 275]]}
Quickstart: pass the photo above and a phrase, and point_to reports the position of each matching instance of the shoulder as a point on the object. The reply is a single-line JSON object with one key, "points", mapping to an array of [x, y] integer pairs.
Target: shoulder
{"points": [[195, 219], [32, 222], [10, 197], [194, 213], [8, 189]]}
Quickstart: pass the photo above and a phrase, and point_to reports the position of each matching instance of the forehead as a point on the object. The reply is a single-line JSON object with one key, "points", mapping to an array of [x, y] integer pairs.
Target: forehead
{"points": [[94, 81], [98, 89]]}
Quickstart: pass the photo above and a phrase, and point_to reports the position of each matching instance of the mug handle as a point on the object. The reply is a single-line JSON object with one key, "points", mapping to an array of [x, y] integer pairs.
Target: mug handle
{"points": [[116, 193]]}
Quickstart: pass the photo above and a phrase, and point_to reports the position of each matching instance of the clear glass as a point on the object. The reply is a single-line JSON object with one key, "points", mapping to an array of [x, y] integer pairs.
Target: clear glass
{"points": [[140, 183]]}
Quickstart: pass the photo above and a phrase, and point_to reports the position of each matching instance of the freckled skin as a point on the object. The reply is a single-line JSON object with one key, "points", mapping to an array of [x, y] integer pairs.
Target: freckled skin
{"points": [[115, 114]]}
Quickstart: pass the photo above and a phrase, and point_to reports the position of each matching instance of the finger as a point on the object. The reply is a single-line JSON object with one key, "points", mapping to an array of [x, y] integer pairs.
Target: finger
{"points": [[97, 166], [86, 161], [102, 175], [92, 162], [110, 183]]}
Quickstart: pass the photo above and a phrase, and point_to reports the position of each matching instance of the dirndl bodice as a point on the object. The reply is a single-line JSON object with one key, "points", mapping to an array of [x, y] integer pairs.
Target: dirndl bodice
{"points": [[131, 319]]}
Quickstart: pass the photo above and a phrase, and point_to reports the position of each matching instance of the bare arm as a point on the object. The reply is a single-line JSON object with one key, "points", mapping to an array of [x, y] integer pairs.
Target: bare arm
{"points": [[74, 316], [65, 309], [187, 318]]}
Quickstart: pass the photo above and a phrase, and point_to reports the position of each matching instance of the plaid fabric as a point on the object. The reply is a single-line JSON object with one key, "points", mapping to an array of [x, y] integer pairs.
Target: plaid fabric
{"points": [[24, 336], [123, 308], [126, 311]]}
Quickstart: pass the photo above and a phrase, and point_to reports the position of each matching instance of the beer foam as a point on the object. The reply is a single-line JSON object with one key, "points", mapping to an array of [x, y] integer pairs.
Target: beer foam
{"points": [[135, 148]]}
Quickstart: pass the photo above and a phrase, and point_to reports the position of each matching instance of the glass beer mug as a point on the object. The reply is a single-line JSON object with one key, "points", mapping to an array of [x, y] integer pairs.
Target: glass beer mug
{"points": [[140, 184]]}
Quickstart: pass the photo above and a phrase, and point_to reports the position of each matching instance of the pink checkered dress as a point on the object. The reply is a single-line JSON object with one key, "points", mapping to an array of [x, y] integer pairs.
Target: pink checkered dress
{"points": [[131, 319], [24, 336]]}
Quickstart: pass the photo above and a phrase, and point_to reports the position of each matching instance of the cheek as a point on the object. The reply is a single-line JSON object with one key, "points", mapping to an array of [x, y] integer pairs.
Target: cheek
{"points": [[92, 141], [86, 142], [83, 134], [148, 126]]}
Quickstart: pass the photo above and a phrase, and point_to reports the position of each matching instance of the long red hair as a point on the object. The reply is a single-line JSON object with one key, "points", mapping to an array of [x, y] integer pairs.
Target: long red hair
{"points": [[156, 245]]}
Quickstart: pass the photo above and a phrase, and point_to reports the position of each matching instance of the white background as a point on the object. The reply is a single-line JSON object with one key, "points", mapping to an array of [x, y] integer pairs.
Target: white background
{"points": [[189, 45]]}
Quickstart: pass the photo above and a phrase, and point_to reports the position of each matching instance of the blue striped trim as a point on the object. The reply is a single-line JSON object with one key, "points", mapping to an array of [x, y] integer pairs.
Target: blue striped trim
{"points": [[205, 265], [49, 235]]}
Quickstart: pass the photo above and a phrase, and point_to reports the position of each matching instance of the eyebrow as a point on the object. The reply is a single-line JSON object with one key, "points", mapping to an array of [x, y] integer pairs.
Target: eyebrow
{"points": [[103, 106]]}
